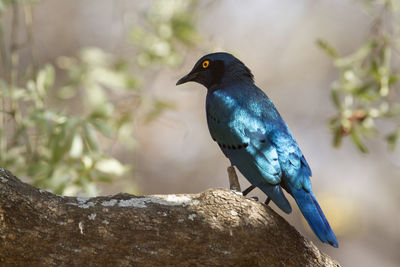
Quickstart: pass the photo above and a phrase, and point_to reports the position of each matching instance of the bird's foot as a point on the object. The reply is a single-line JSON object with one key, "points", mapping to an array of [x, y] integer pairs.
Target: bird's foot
{"points": [[248, 190]]}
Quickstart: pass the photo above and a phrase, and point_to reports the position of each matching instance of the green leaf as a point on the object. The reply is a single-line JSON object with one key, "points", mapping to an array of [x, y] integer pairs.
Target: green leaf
{"points": [[110, 166], [337, 137], [76, 147], [335, 98], [102, 111], [103, 127], [359, 55], [67, 92], [357, 141], [91, 137], [91, 189], [104, 179], [59, 144], [45, 79], [327, 48], [40, 168], [393, 79], [393, 138], [65, 148]]}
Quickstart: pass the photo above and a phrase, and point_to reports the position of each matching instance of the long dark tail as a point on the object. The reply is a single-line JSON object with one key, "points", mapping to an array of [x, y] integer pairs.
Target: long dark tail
{"points": [[315, 217]]}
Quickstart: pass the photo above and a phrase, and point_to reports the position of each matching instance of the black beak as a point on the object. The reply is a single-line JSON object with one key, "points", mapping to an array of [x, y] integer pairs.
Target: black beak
{"points": [[188, 78]]}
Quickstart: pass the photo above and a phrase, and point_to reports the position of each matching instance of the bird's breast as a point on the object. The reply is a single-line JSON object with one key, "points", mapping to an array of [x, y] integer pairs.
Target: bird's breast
{"points": [[224, 122], [221, 106]]}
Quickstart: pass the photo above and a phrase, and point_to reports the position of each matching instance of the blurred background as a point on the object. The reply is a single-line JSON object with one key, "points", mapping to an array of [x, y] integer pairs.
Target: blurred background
{"points": [[90, 106]]}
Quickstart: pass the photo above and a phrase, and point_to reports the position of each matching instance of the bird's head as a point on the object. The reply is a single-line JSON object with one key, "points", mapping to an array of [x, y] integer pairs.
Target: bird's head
{"points": [[217, 68]]}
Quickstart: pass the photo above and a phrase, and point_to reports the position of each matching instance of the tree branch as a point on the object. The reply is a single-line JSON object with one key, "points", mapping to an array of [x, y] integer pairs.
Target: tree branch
{"points": [[216, 227]]}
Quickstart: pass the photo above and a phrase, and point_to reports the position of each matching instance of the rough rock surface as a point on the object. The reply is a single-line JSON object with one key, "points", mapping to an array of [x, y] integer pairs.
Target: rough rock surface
{"points": [[217, 227]]}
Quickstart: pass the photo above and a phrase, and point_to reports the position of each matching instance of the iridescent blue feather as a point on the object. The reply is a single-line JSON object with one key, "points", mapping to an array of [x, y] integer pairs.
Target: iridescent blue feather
{"points": [[253, 136]]}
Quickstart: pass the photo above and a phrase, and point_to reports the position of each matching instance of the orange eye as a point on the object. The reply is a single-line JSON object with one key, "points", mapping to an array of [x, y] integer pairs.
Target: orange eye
{"points": [[206, 63]]}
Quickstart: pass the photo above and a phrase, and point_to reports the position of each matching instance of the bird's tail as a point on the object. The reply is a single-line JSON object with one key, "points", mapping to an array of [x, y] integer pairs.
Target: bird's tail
{"points": [[315, 217]]}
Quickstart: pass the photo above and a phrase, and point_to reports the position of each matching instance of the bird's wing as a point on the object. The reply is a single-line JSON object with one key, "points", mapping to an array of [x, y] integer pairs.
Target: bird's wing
{"points": [[246, 143], [296, 179], [294, 165], [244, 140], [264, 154]]}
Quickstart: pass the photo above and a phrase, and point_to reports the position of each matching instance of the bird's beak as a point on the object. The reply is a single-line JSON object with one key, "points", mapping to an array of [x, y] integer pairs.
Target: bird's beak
{"points": [[190, 77]]}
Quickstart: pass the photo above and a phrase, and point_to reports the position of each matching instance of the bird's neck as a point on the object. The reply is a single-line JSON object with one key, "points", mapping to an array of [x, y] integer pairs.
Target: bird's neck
{"points": [[239, 72], [234, 74], [227, 83]]}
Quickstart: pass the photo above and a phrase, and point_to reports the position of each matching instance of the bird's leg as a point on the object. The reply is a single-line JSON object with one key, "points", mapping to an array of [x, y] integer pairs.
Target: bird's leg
{"points": [[234, 183], [233, 179], [248, 190], [267, 201]]}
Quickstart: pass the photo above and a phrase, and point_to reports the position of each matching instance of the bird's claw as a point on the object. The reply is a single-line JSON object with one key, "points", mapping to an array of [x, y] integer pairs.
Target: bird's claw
{"points": [[248, 190]]}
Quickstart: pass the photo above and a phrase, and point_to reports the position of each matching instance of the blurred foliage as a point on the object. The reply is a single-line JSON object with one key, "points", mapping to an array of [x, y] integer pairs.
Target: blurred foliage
{"points": [[367, 90], [170, 25], [58, 130]]}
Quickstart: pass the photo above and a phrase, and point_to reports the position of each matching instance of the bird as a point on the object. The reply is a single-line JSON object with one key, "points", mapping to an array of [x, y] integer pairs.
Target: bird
{"points": [[251, 133]]}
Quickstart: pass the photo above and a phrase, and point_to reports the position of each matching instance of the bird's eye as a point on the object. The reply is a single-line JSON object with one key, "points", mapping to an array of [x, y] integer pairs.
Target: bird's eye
{"points": [[206, 63]]}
